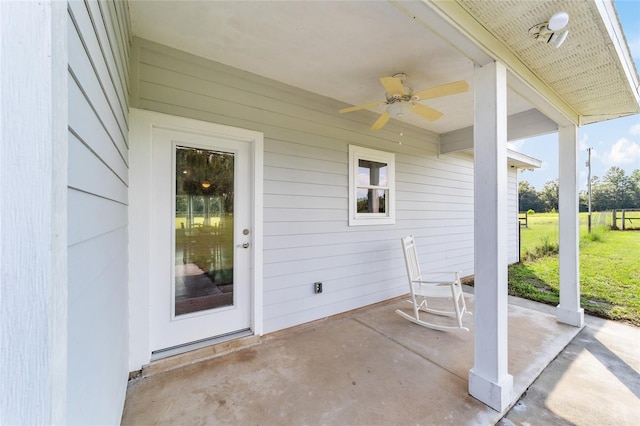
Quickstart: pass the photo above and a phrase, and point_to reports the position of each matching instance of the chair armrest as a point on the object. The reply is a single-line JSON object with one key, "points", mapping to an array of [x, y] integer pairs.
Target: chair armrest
{"points": [[433, 282]]}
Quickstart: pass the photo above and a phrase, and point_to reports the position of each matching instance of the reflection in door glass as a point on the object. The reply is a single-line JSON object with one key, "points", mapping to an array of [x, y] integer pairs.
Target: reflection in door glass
{"points": [[204, 230]]}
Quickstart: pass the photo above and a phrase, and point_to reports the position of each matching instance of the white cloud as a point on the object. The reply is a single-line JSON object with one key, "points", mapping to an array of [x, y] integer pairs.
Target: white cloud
{"points": [[634, 130], [623, 152], [516, 145], [582, 142], [583, 177]]}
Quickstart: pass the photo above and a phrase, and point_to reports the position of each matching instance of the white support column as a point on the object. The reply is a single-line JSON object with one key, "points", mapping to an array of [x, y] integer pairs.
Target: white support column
{"points": [[489, 380], [569, 311], [33, 212]]}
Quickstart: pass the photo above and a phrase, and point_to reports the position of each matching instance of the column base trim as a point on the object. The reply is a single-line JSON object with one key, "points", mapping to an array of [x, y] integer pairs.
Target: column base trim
{"points": [[570, 316], [498, 396]]}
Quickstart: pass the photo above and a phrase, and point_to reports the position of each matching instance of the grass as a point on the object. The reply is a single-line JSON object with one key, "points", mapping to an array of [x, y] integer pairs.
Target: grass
{"points": [[609, 268], [197, 220]]}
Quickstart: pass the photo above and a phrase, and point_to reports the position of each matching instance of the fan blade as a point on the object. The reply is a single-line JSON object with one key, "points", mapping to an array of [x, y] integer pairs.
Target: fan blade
{"points": [[380, 122], [359, 107], [444, 90], [392, 85], [426, 112]]}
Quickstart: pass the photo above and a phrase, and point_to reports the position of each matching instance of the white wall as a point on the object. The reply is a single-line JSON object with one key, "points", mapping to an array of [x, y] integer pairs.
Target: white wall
{"points": [[97, 204], [306, 232]]}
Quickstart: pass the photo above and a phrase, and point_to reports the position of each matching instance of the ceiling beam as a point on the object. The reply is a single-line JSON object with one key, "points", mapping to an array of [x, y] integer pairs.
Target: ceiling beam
{"points": [[519, 126], [430, 19]]}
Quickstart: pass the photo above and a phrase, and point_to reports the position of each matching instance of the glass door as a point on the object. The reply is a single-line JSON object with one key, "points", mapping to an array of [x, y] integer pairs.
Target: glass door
{"points": [[200, 237], [204, 243]]}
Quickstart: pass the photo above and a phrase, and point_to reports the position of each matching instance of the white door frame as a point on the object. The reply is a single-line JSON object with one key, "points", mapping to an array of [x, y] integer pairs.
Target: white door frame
{"points": [[140, 137]]}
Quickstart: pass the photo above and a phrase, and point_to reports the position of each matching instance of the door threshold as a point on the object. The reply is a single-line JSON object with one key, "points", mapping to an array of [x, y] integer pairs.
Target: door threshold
{"points": [[179, 356], [188, 347]]}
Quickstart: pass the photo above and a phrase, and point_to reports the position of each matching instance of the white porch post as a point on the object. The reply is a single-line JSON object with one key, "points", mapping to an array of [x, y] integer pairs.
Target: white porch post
{"points": [[569, 311], [33, 212], [489, 380]]}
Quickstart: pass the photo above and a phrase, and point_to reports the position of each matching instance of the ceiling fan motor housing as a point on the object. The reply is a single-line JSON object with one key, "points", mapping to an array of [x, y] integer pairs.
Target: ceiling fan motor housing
{"points": [[401, 98]]}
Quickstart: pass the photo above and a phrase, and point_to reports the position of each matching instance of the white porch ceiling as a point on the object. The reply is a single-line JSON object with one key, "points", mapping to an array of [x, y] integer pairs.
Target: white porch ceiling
{"points": [[337, 49]]}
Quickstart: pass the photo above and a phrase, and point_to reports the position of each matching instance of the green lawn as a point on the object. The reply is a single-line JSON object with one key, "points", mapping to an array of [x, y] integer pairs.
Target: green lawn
{"points": [[609, 267]]}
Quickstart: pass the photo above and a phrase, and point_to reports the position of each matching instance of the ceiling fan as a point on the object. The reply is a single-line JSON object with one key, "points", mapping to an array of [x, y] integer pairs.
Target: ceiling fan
{"points": [[402, 99]]}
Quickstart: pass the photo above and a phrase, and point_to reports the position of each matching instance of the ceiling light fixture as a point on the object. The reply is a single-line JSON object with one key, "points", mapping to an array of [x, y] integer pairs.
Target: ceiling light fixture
{"points": [[548, 32], [398, 109]]}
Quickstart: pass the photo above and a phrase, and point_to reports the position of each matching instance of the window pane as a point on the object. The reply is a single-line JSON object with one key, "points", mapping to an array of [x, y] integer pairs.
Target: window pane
{"points": [[371, 201], [204, 230], [372, 173]]}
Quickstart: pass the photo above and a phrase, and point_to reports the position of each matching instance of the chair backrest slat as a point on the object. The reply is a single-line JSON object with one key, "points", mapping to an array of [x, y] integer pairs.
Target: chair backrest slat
{"points": [[411, 258]]}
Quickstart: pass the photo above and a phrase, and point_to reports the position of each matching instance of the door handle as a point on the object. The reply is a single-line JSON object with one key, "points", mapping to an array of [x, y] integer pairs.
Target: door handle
{"points": [[245, 245]]}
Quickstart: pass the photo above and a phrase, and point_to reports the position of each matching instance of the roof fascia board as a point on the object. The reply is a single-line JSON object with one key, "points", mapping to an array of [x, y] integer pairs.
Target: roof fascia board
{"points": [[590, 119], [519, 126], [464, 23], [611, 22], [522, 161]]}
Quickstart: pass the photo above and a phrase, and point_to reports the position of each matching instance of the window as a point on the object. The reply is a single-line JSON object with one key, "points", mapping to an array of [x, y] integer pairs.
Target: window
{"points": [[371, 187]]}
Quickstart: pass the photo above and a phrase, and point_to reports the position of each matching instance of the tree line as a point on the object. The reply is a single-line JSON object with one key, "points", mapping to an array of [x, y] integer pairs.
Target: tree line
{"points": [[615, 190]]}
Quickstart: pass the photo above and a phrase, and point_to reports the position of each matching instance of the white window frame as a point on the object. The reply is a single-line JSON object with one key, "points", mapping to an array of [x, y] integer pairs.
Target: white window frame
{"points": [[357, 153]]}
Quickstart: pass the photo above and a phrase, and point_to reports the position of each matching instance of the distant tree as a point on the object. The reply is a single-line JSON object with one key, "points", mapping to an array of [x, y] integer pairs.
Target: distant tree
{"points": [[600, 195], [620, 188], [528, 198], [583, 201], [615, 190], [549, 195], [635, 189]]}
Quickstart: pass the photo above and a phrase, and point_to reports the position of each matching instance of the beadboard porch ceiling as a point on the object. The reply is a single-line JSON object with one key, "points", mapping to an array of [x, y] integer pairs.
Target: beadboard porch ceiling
{"points": [[339, 49]]}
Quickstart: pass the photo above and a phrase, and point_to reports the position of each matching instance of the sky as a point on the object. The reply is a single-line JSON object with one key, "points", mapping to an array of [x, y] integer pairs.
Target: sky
{"points": [[614, 142]]}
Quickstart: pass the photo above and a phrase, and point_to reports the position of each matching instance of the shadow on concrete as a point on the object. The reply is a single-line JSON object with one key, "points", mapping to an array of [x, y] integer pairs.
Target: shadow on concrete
{"points": [[594, 380]]}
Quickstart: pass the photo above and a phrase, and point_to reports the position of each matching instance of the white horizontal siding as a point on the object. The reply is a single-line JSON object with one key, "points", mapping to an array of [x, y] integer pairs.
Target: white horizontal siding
{"points": [[306, 232], [87, 20], [85, 123], [93, 176], [97, 211]]}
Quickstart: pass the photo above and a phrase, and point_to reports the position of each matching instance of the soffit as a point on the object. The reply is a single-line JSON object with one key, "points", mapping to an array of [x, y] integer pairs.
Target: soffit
{"points": [[587, 71]]}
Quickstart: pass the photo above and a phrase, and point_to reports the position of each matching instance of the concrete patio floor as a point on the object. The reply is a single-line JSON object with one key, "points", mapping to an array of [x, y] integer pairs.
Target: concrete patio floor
{"points": [[369, 367], [594, 381]]}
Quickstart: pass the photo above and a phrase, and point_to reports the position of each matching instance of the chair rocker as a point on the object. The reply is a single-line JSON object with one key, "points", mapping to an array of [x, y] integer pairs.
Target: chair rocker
{"points": [[423, 290]]}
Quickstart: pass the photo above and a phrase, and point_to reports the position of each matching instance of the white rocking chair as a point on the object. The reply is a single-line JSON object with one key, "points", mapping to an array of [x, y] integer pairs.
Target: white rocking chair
{"points": [[422, 289]]}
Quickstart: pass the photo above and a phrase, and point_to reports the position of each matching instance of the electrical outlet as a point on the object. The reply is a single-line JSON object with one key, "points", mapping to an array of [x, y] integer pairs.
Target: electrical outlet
{"points": [[317, 287]]}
